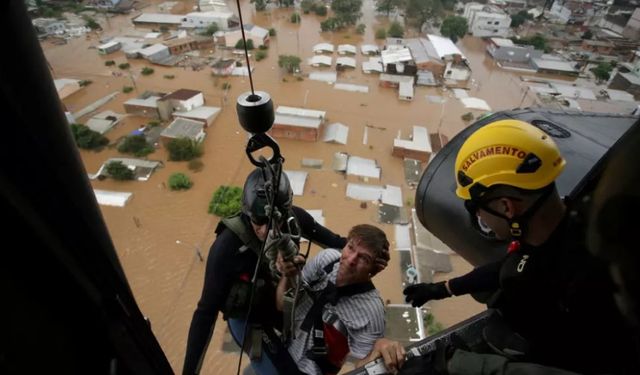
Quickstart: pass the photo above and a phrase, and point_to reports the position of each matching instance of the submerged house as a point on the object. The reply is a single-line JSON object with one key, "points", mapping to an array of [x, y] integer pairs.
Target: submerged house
{"points": [[298, 123]]}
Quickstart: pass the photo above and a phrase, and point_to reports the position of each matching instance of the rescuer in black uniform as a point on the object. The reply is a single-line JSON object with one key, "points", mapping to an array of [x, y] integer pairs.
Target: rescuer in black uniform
{"points": [[232, 260], [555, 299]]}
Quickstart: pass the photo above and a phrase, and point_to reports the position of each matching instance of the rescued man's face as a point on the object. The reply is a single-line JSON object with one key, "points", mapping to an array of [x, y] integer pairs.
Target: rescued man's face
{"points": [[356, 262]]}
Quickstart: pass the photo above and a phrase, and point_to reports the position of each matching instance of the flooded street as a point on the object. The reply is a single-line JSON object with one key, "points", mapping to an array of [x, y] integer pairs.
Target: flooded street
{"points": [[165, 276]]}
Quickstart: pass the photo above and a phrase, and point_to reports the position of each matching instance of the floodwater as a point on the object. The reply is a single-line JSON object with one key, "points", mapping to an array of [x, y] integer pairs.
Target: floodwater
{"points": [[166, 276]]}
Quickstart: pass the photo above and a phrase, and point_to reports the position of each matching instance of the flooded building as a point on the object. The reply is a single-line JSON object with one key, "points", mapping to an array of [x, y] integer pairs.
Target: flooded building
{"points": [[321, 60], [323, 48], [223, 67], [574, 12], [104, 121], [418, 147], [202, 20], [204, 114], [344, 62], [347, 49], [398, 60], [157, 20], [298, 123], [155, 53], [146, 105], [508, 54], [487, 20], [259, 36], [373, 65], [554, 65], [183, 128], [109, 47], [181, 100], [179, 46], [142, 169], [369, 49]]}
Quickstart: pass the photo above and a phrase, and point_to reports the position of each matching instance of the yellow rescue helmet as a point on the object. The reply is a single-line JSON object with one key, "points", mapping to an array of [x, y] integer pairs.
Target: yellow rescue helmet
{"points": [[506, 152]]}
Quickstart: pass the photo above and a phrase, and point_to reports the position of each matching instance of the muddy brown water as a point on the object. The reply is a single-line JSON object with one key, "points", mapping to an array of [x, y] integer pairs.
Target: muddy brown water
{"points": [[165, 276]]}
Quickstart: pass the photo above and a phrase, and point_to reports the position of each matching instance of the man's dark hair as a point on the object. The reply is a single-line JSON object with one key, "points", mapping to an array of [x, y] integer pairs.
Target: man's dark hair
{"points": [[372, 238]]}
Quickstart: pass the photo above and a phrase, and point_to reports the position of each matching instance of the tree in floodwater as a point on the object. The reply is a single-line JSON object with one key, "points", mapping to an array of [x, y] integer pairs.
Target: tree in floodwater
{"points": [[454, 27], [290, 63], [347, 12], [387, 6], [420, 11]]}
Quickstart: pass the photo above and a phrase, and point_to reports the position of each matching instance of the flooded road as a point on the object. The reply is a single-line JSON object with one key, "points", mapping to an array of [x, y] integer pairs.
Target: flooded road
{"points": [[166, 276]]}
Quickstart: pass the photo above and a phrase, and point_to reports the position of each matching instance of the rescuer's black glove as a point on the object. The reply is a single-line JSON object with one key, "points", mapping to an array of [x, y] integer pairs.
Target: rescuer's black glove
{"points": [[419, 294]]}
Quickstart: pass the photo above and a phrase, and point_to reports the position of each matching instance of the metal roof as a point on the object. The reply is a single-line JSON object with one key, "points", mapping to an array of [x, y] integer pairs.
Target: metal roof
{"points": [[203, 112], [151, 101], [502, 42], [321, 60], [347, 48], [420, 140], [175, 19], [304, 122], [368, 49], [564, 66], [153, 49], [323, 47], [284, 110], [112, 198], [444, 46], [297, 180], [405, 90], [183, 128], [324, 76], [351, 87], [574, 92], [364, 192], [346, 61], [373, 65], [108, 45], [363, 167], [182, 94], [396, 56], [336, 133], [475, 103]]}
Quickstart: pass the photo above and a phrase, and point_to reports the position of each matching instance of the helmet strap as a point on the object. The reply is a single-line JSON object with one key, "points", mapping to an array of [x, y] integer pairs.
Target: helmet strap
{"points": [[518, 224]]}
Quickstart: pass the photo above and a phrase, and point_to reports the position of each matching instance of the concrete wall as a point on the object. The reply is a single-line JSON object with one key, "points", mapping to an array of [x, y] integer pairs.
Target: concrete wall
{"points": [[618, 82]]}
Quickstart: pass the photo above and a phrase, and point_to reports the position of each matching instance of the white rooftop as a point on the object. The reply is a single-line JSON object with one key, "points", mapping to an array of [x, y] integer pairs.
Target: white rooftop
{"points": [[475, 103], [183, 128], [346, 61], [419, 140], [444, 46], [291, 120], [152, 35], [389, 194], [153, 49], [502, 42], [554, 65], [112, 198], [321, 60], [367, 49], [336, 133], [62, 82], [297, 180], [323, 47], [303, 112], [395, 56], [108, 45], [203, 112], [373, 65], [363, 167], [364, 192], [211, 14], [460, 93], [148, 102], [324, 76], [347, 48], [405, 90], [402, 236], [351, 87], [159, 18]]}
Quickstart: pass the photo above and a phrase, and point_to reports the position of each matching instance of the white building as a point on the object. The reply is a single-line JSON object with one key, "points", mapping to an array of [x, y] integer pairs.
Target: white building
{"points": [[259, 36], [347, 49], [203, 20], [486, 20], [323, 47], [155, 52], [184, 100]]}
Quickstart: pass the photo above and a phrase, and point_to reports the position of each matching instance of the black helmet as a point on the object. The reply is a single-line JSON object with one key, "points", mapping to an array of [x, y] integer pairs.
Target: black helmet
{"points": [[254, 194]]}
